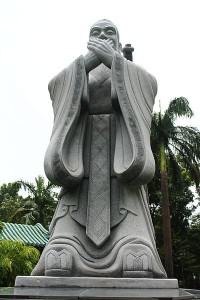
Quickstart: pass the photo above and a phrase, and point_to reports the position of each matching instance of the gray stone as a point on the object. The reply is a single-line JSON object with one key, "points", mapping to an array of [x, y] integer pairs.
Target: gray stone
{"points": [[144, 294], [100, 155], [48, 293], [58, 263], [98, 212], [94, 293], [96, 282]]}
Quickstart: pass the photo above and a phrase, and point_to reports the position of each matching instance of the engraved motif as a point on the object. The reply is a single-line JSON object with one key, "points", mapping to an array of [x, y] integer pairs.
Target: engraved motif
{"points": [[58, 260], [98, 215], [137, 261]]}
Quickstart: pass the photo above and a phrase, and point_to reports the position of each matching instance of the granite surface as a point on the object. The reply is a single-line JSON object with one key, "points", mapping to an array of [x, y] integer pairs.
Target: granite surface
{"points": [[95, 293], [96, 282]]}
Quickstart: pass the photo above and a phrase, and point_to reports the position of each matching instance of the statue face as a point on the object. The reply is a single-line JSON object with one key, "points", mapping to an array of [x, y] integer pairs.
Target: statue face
{"points": [[105, 30]]}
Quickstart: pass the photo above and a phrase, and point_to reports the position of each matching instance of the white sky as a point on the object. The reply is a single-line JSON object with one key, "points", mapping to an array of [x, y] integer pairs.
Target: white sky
{"points": [[41, 37]]}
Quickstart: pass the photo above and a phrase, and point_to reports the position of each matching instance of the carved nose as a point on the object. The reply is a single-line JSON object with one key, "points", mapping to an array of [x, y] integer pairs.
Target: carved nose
{"points": [[103, 36]]}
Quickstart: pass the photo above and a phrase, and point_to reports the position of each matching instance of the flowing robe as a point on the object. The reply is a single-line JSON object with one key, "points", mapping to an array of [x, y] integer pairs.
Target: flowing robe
{"points": [[135, 90], [125, 166]]}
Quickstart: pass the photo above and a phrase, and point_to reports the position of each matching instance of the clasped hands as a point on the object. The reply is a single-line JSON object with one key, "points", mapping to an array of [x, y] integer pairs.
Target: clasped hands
{"points": [[100, 51]]}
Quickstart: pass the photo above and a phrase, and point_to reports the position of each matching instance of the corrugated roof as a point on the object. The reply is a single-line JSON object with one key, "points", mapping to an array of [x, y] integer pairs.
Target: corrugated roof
{"points": [[35, 235]]}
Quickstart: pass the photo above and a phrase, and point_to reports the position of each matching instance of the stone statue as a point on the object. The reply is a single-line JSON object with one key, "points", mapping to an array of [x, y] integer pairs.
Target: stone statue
{"points": [[100, 154]]}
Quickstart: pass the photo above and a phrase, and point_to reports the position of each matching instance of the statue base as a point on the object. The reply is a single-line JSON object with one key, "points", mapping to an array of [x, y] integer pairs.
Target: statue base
{"points": [[98, 288], [95, 282], [96, 293]]}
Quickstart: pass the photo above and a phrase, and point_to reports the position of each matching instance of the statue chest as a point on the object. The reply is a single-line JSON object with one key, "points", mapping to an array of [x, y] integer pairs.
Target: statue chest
{"points": [[100, 93]]}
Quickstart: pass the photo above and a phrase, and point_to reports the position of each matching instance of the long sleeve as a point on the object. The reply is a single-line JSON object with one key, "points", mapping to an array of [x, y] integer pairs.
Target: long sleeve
{"points": [[63, 160], [135, 89]]}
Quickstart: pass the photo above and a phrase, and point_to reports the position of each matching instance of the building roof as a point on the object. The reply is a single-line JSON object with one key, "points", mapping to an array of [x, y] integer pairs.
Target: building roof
{"points": [[35, 235]]}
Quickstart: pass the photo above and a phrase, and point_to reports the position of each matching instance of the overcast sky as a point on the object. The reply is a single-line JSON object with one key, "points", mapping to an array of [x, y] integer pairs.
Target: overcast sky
{"points": [[41, 37]]}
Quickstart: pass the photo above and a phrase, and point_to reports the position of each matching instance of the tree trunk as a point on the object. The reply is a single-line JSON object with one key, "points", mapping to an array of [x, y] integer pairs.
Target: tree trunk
{"points": [[166, 214]]}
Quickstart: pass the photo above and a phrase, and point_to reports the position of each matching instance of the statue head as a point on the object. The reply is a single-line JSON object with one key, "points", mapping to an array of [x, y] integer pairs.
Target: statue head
{"points": [[104, 29]]}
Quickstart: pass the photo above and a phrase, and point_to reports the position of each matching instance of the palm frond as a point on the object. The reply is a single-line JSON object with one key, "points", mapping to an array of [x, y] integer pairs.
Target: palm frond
{"points": [[189, 162], [179, 107], [28, 186], [191, 136]]}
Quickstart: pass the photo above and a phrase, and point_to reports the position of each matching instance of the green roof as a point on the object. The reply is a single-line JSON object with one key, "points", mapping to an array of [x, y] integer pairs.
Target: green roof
{"points": [[35, 235]]}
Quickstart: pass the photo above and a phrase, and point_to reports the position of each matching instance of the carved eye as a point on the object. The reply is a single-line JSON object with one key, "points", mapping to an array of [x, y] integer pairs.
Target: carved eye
{"points": [[110, 32], [95, 33]]}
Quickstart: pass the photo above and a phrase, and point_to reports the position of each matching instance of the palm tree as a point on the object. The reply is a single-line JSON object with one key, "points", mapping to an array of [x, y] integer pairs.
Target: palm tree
{"points": [[175, 147], [41, 202]]}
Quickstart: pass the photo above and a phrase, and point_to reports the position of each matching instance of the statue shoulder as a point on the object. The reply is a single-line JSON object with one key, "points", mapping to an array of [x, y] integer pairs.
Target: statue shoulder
{"points": [[56, 81], [66, 75], [143, 75]]}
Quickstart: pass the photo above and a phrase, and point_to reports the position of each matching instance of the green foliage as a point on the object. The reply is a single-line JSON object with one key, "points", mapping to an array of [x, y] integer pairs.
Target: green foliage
{"points": [[11, 210], [16, 259], [186, 255], [41, 203], [37, 207], [185, 233], [180, 163], [179, 141], [179, 107], [9, 190], [11, 202], [1, 227]]}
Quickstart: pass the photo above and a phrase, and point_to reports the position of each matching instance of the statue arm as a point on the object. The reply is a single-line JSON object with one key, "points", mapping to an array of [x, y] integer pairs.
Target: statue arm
{"points": [[63, 159], [91, 61], [133, 160]]}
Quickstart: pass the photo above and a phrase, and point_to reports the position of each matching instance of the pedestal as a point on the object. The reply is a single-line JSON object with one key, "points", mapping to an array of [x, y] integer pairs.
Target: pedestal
{"points": [[45, 287]]}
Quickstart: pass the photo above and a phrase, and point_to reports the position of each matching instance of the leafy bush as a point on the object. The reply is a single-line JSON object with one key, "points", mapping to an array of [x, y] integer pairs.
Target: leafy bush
{"points": [[1, 226], [16, 259]]}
